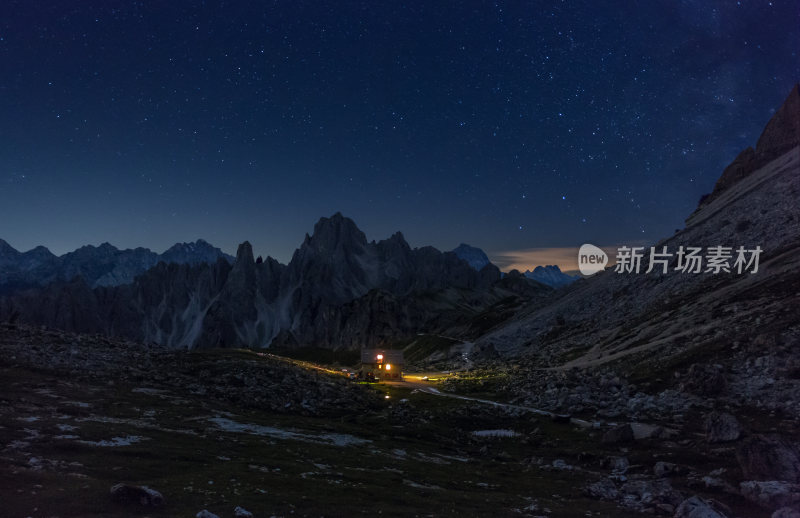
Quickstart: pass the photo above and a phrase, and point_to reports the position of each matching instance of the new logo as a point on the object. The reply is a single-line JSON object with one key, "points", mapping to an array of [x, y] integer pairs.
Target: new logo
{"points": [[591, 259]]}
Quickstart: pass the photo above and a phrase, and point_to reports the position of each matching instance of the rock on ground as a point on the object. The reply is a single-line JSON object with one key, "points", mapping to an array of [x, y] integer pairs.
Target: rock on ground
{"points": [[619, 435], [786, 512], [603, 489], [764, 457], [722, 427], [664, 469], [142, 495], [696, 507], [771, 494]]}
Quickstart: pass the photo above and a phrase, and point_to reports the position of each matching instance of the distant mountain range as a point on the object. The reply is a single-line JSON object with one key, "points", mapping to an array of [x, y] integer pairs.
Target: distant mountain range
{"points": [[338, 291], [103, 265], [106, 265], [341, 291], [551, 275]]}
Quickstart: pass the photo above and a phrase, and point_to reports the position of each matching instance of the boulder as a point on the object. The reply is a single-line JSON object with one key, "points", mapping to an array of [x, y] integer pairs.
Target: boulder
{"points": [[764, 457], [771, 494], [722, 427], [696, 507], [616, 464], [241, 512], [619, 435], [717, 484], [205, 513], [140, 495], [560, 464], [786, 512], [603, 489], [664, 469], [704, 380], [641, 494], [647, 431]]}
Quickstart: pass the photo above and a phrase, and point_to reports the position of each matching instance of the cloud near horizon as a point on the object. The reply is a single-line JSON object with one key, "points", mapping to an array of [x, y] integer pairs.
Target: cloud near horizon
{"points": [[566, 258]]}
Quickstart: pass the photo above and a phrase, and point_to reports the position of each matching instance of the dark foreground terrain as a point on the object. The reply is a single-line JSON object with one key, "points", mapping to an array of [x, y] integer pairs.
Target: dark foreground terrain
{"points": [[217, 430]]}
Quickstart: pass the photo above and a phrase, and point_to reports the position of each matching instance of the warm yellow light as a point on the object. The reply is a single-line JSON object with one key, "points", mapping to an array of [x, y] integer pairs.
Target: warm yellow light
{"points": [[388, 367], [380, 357]]}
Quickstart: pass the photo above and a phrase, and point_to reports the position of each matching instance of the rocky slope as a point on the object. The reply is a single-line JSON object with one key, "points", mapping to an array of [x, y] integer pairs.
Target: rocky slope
{"points": [[711, 360], [779, 136], [614, 315]]}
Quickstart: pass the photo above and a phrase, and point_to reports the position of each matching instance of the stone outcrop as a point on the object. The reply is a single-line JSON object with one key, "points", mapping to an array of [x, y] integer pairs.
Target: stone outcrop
{"points": [[781, 134]]}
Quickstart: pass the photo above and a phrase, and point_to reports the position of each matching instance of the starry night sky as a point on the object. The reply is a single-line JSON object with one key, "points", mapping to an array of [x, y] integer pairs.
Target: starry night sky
{"points": [[508, 126]]}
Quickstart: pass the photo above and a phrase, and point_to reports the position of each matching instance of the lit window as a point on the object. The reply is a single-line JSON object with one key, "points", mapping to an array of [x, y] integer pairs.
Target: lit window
{"points": [[379, 357], [388, 367]]}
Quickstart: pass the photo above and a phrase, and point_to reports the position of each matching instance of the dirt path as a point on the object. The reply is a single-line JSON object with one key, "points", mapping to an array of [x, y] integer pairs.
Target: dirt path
{"points": [[420, 383], [416, 382]]}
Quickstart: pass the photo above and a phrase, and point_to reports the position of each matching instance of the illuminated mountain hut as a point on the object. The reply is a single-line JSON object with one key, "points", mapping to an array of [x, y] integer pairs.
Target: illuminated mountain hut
{"points": [[386, 364]]}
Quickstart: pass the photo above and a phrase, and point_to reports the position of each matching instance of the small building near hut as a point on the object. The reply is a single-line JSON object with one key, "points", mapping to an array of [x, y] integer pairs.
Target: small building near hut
{"points": [[386, 364]]}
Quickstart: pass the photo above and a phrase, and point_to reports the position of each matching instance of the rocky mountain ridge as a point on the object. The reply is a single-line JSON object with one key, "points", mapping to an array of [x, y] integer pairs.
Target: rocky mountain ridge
{"points": [[780, 135], [476, 257], [613, 315], [338, 291], [103, 265], [551, 275]]}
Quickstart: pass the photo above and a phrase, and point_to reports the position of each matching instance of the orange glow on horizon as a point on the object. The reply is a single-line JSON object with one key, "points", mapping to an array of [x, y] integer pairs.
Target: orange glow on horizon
{"points": [[566, 258]]}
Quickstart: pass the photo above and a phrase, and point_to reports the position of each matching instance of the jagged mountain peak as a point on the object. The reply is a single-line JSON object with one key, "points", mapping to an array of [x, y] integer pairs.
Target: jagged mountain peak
{"points": [[396, 241], [321, 297], [552, 267], [5, 248], [398, 237], [244, 254], [474, 256], [102, 247], [781, 134], [337, 230], [40, 252], [199, 251]]}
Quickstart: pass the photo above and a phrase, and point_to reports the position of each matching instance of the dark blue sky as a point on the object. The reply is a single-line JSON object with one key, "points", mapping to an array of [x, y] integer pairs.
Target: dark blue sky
{"points": [[505, 125]]}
